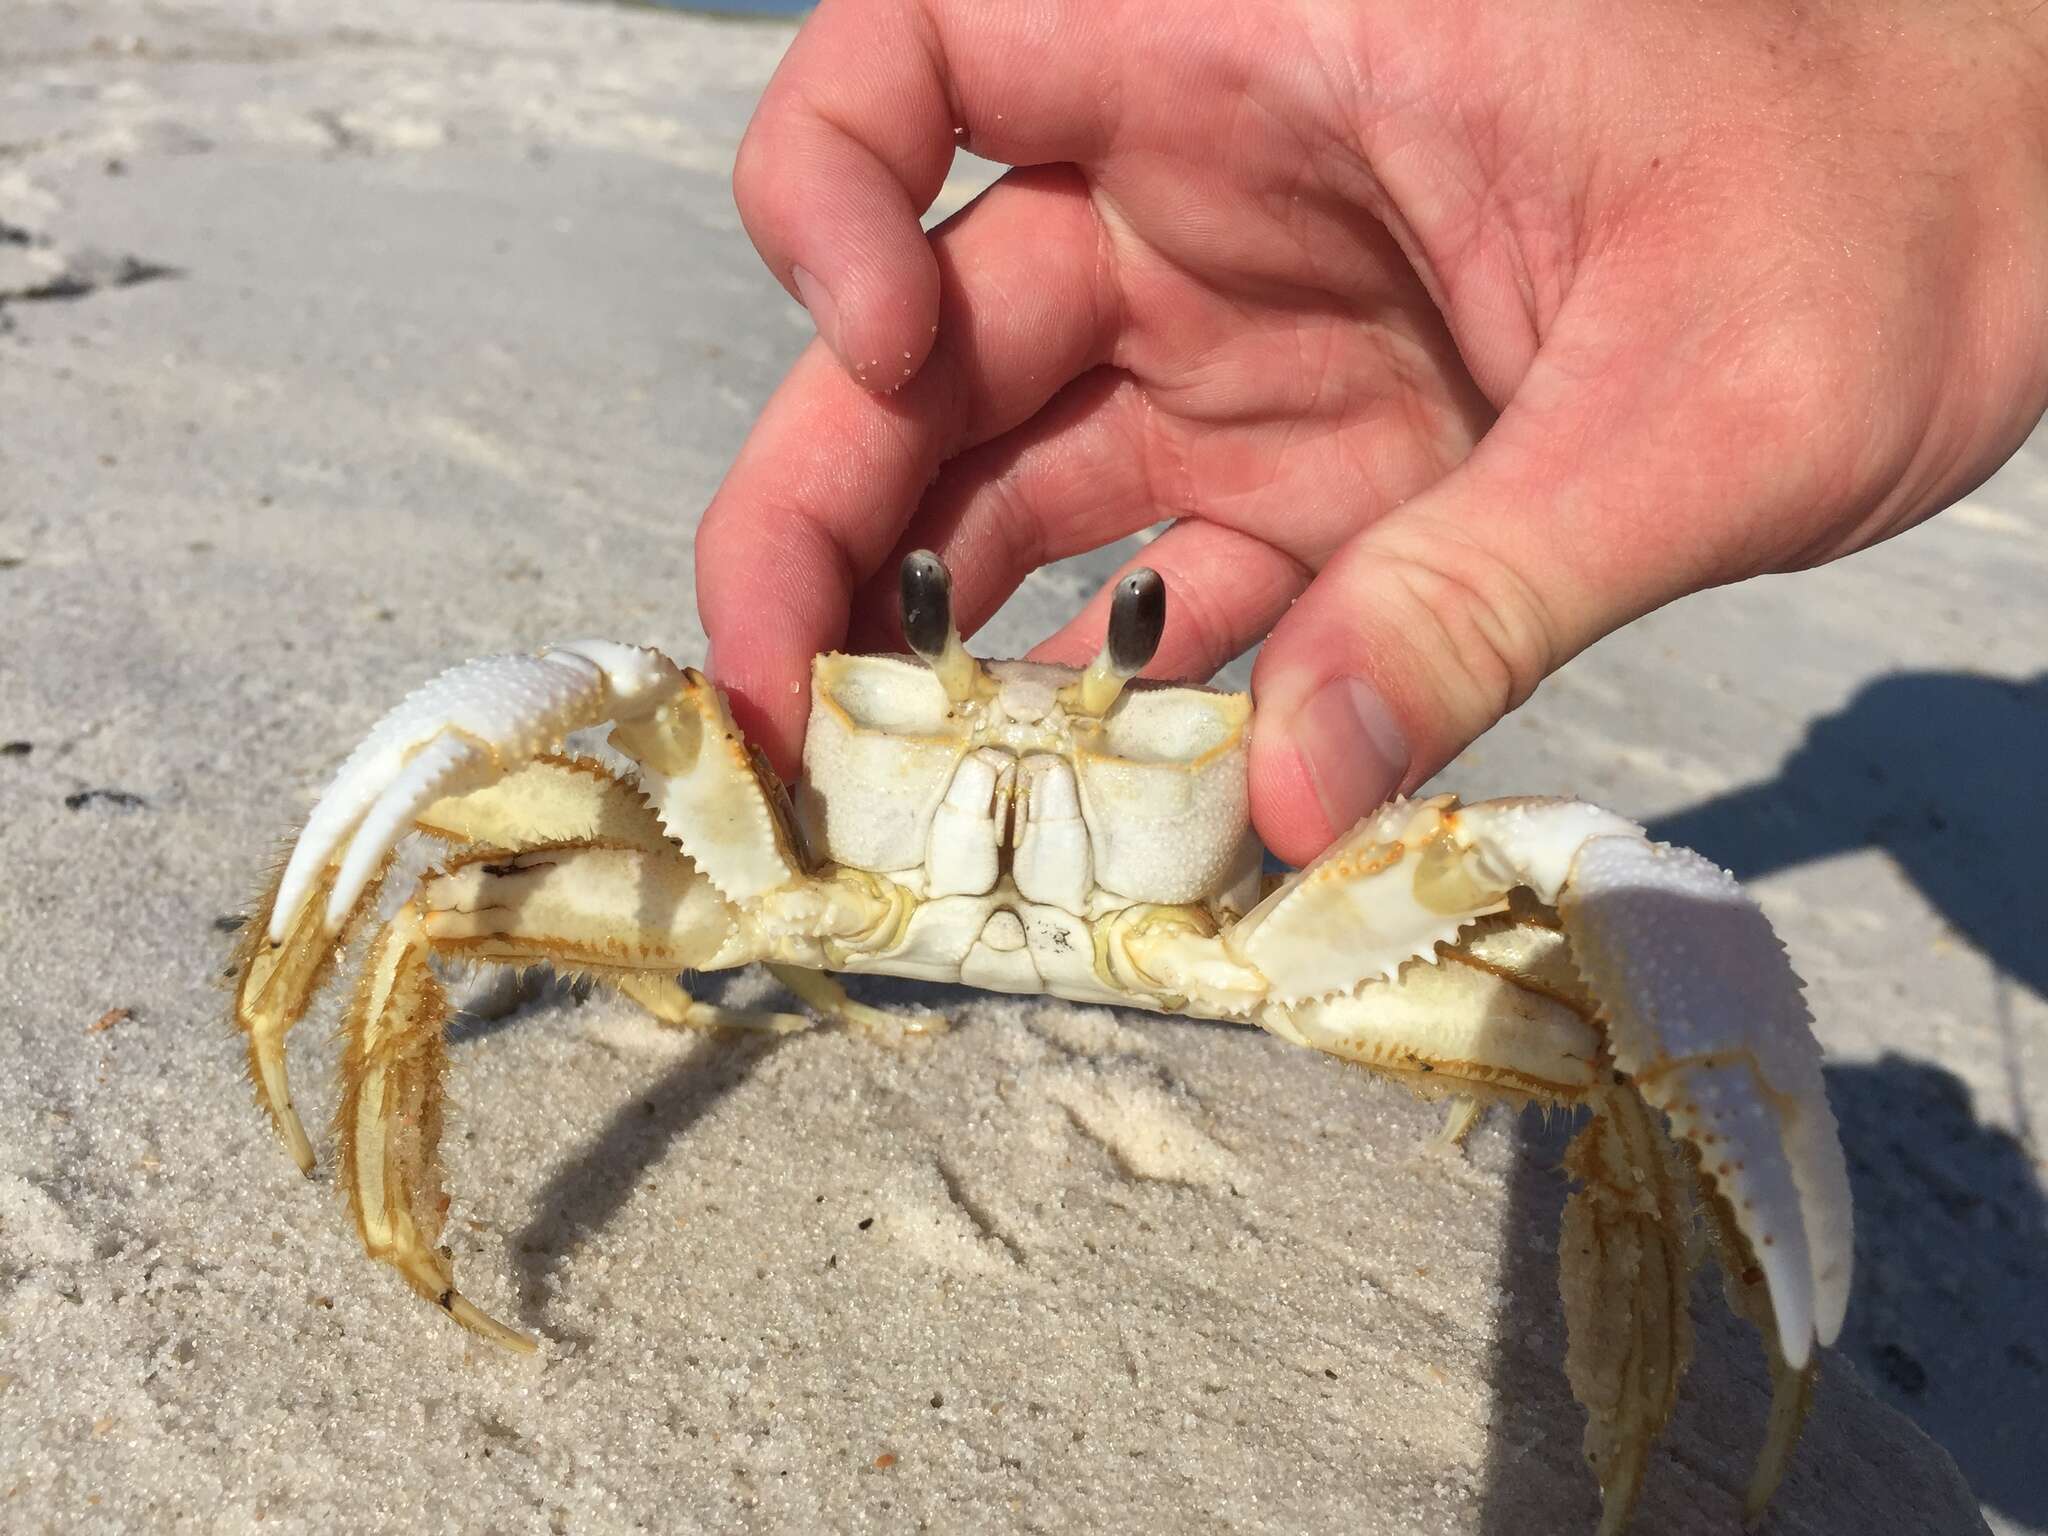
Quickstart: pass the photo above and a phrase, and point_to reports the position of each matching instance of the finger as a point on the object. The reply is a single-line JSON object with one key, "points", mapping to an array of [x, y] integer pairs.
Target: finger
{"points": [[1224, 591], [1108, 457], [853, 137], [831, 473], [1435, 621]]}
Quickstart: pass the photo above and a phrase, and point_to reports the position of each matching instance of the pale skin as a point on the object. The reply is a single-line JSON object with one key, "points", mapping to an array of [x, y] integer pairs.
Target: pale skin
{"points": [[1448, 336]]}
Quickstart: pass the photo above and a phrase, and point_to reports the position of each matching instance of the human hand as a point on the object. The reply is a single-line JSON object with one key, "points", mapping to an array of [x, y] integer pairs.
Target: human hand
{"points": [[1452, 336]]}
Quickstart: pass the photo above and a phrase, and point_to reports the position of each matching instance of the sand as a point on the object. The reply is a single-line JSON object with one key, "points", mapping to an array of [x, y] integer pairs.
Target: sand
{"points": [[336, 345]]}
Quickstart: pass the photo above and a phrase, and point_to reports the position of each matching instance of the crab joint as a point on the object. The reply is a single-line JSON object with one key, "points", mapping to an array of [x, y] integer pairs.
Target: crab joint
{"points": [[1137, 618], [926, 589]]}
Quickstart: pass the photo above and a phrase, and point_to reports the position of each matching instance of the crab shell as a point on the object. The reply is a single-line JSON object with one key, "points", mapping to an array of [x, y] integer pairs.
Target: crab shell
{"points": [[985, 826]]}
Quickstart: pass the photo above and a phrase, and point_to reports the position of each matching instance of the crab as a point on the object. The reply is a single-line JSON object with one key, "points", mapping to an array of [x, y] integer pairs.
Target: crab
{"points": [[1039, 829]]}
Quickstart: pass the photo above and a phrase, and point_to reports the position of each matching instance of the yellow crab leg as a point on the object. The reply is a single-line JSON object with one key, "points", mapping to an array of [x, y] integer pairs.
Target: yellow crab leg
{"points": [[575, 904], [1625, 1273], [390, 1122], [665, 997], [273, 984], [551, 799], [829, 998], [1791, 1386]]}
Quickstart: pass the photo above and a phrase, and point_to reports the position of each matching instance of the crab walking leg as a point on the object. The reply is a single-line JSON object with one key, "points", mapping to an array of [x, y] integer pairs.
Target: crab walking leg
{"points": [[829, 998], [273, 985], [572, 905], [1503, 1018], [1791, 1398], [1459, 1119], [549, 800], [632, 918], [584, 907], [1791, 1386], [1498, 1019], [1625, 1271], [666, 998], [390, 1122]]}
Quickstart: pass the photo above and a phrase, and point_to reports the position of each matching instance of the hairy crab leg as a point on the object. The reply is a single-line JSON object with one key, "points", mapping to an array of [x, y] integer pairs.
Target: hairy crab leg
{"points": [[1749, 1296], [630, 917], [273, 984], [390, 1122], [1504, 1018], [1463, 1114], [1791, 1398], [665, 997], [548, 800], [821, 992], [573, 905], [1625, 1273], [583, 907]]}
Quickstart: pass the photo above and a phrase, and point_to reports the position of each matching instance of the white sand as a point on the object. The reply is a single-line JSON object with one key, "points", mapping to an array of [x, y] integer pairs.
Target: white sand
{"points": [[424, 333]]}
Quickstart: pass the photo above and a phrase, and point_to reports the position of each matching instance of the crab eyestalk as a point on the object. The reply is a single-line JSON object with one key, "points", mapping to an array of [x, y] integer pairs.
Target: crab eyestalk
{"points": [[926, 589], [1137, 619]]}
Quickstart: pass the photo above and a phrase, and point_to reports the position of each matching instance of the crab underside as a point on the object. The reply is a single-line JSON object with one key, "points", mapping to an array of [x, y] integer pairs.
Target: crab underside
{"points": [[1035, 829]]}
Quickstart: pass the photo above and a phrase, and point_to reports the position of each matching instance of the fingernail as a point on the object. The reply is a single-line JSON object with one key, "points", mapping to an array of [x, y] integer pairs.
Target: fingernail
{"points": [[818, 300], [1353, 750]]}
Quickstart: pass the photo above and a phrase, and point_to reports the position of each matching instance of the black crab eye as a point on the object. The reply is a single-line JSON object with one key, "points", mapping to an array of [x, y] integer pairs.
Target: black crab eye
{"points": [[1137, 619], [926, 590]]}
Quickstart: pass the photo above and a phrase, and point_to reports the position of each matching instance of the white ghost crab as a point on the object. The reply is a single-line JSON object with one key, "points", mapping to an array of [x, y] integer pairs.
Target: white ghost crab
{"points": [[1033, 829]]}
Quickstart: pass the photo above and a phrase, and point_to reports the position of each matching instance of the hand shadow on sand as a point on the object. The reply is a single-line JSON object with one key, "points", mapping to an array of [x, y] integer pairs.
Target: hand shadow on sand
{"points": [[1946, 1323], [1943, 771]]}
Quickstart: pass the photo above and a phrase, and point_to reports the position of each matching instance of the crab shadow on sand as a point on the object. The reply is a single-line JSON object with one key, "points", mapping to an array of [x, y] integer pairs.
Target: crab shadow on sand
{"points": [[585, 1194], [1941, 771]]}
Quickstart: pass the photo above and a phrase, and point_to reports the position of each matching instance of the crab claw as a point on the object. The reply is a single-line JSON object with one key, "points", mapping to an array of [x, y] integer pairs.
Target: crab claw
{"points": [[1700, 1006], [472, 723], [1707, 1019]]}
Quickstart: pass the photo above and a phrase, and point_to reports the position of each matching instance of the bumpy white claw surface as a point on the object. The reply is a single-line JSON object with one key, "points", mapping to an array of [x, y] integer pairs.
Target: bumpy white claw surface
{"points": [[474, 721], [1706, 1016]]}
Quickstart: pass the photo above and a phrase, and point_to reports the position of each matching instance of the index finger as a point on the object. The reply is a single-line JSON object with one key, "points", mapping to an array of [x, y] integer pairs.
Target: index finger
{"points": [[853, 137], [831, 473]]}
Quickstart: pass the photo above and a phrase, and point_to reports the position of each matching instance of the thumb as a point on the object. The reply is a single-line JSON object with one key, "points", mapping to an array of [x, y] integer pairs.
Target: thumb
{"points": [[1435, 621]]}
